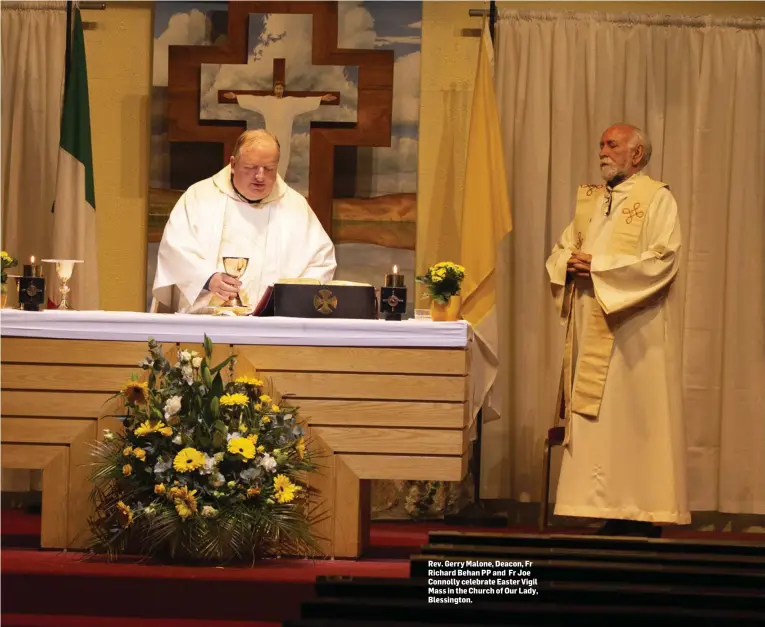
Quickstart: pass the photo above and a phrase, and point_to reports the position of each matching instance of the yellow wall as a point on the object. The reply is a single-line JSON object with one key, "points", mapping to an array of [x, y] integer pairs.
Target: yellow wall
{"points": [[118, 43]]}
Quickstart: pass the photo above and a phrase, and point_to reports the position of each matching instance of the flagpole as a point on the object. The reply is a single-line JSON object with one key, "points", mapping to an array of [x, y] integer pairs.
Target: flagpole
{"points": [[68, 52]]}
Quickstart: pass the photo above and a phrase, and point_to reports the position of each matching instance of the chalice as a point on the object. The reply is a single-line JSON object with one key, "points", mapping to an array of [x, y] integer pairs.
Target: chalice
{"points": [[235, 267], [64, 270]]}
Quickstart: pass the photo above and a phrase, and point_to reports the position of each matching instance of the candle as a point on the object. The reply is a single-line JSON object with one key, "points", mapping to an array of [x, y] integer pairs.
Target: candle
{"points": [[395, 279], [31, 269]]}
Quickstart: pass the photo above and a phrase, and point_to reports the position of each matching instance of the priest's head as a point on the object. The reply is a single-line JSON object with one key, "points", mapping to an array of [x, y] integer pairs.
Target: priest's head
{"points": [[624, 150], [254, 164]]}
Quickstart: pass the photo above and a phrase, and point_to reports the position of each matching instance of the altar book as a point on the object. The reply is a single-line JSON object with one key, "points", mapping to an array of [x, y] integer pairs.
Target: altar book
{"points": [[309, 298]]}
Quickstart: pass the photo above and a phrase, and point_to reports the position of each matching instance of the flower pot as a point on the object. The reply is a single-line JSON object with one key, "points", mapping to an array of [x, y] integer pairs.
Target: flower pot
{"points": [[448, 312]]}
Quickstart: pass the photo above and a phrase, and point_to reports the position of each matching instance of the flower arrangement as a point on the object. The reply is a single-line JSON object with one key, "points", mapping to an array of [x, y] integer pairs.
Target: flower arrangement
{"points": [[203, 470], [6, 261], [443, 281]]}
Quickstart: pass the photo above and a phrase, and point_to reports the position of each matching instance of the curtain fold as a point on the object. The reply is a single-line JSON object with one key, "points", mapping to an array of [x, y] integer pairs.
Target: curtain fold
{"points": [[33, 49], [697, 86]]}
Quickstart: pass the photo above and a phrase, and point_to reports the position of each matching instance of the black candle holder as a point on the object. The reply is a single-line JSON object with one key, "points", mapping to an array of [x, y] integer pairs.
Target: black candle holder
{"points": [[393, 297], [31, 293]]}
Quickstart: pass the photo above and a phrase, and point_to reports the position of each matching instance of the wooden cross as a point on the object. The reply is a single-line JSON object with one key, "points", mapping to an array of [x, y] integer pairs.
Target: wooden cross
{"points": [[228, 96]]}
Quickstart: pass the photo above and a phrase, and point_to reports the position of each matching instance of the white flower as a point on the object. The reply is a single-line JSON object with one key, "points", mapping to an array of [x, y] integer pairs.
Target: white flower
{"points": [[217, 480], [231, 436], [188, 374], [209, 465], [249, 475], [108, 435], [172, 406], [178, 440], [209, 512], [185, 357], [196, 362], [268, 462], [163, 466]]}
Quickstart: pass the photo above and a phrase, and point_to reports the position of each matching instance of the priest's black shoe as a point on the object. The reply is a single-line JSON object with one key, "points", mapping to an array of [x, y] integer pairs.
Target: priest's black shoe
{"points": [[633, 528]]}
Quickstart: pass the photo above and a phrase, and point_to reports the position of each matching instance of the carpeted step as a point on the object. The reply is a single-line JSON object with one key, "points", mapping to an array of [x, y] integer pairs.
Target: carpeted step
{"points": [[593, 542], [646, 556], [529, 613], [333, 622], [574, 593], [58, 620], [548, 570]]}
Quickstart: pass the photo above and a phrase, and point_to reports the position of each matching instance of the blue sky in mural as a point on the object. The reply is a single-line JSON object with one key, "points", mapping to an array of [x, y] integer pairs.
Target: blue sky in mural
{"points": [[163, 11]]}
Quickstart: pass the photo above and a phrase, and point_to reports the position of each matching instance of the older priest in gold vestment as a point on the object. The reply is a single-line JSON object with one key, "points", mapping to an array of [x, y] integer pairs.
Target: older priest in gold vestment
{"points": [[611, 274]]}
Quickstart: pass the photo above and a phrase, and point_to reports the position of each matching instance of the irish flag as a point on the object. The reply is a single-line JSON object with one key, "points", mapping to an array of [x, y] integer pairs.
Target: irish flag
{"points": [[74, 223]]}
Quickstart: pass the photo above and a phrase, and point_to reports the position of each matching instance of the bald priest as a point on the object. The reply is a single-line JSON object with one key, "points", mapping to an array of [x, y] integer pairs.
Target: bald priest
{"points": [[245, 210]]}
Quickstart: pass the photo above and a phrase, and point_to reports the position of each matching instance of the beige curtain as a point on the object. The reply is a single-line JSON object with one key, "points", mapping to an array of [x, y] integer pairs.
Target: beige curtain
{"points": [[697, 86], [33, 48]]}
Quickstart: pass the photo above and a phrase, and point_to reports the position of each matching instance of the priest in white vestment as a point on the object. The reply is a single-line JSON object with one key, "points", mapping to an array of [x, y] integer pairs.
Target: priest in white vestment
{"points": [[245, 210], [611, 274]]}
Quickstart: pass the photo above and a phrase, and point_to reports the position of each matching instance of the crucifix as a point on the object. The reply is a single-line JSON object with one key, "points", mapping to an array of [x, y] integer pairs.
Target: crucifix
{"points": [[279, 107]]}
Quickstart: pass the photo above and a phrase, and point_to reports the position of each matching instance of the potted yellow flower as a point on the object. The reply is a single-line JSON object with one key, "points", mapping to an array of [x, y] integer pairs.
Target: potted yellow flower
{"points": [[444, 284], [6, 262], [204, 469]]}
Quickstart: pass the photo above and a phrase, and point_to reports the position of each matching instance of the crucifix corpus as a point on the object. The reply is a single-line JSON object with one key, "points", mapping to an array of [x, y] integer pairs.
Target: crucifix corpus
{"points": [[279, 107]]}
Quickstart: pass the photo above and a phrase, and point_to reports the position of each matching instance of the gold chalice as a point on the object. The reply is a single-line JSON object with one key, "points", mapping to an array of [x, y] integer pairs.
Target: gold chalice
{"points": [[64, 270], [235, 267]]}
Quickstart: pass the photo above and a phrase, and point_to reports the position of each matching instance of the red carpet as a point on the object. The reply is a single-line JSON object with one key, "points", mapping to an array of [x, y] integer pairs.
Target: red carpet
{"points": [[59, 589]]}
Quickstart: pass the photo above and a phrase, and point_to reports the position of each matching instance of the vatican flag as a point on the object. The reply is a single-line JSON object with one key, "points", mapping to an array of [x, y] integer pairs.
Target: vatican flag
{"points": [[486, 219], [74, 215]]}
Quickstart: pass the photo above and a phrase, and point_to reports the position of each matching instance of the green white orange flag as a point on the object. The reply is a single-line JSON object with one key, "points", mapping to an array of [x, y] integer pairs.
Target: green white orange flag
{"points": [[74, 223]]}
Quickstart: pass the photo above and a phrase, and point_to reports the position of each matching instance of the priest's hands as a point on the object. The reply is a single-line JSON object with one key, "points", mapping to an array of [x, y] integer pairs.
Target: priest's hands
{"points": [[224, 286], [579, 264]]}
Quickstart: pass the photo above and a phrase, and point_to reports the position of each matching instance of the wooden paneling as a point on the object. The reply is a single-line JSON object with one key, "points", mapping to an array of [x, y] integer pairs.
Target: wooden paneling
{"points": [[357, 360], [384, 413], [74, 378], [44, 430], [54, 463], [407, 467], [90, 352], [372, 386], [57, 404], [381, 440]]}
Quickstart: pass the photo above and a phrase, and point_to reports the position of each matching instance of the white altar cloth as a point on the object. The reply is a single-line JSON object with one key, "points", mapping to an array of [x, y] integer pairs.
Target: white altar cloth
{"points": [[139, 327]]}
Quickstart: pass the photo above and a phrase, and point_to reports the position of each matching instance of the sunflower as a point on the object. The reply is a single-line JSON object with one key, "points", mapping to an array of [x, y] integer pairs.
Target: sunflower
{"points": [[230, 400], [188, 459], [125, 514], [148, 427], [136, 392], [242, 446], [284, 489], [185, 501]]}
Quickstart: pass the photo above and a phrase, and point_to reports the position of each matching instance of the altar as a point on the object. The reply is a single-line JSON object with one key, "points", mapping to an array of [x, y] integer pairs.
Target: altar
{"points": [[380, 399]]}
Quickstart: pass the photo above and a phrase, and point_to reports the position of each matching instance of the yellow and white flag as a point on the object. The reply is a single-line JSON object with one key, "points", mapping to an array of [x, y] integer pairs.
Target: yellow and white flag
{"points": [[486, 219]]}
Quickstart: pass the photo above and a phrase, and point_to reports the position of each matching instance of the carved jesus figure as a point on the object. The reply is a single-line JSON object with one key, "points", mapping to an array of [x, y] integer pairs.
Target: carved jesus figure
{"points": [[279, 112]]}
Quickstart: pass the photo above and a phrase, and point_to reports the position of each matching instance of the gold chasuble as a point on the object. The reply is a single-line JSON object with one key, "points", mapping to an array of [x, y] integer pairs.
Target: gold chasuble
{"points": [[625, 453]]}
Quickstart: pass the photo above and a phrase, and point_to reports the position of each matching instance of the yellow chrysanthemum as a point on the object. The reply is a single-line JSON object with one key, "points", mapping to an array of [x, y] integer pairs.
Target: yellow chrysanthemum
{"points": [[139, 453], [242, 428], [185, 501], [242, 446], [230, 400], [160, 488], [148, 427], [253, 438], [127, 450], [284, 489], [127, 469], [125, 514], [275, 408], [251, 381], [6, 257], [136, 392], [188, 459], [300, 447], [258, 406], [265, 398], [266, 420]]}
